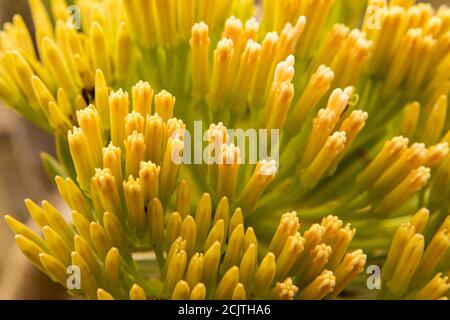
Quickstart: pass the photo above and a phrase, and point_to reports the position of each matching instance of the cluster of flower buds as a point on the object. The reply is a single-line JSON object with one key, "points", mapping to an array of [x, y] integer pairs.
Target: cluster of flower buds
{"points": [[417, 265], [208, 254]]}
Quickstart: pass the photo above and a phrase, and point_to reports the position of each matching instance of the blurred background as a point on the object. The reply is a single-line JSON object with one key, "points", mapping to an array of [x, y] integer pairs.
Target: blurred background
{"points": [[22, 176]]}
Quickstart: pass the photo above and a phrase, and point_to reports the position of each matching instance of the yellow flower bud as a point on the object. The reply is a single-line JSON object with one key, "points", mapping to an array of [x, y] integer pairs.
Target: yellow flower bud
{"points": [[203, 219], [175, 271], [118, 104], [183, 199], [56, 245], [135, 153], [137, 293], [99, 50], [264, 174], [55, 269], [181, 291], [88, 282], [285, 290], [134, 199], [164, 104], [142, 94], [319, 288], [194, 271], [199, 44], [265, 274], [227, 284], [100, 239], [198, 292]]}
